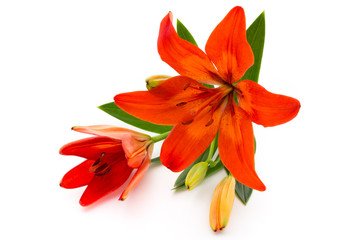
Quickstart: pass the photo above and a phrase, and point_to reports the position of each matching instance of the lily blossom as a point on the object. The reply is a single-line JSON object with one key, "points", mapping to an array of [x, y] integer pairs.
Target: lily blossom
{"points": [[200, 113], [111, 156]]}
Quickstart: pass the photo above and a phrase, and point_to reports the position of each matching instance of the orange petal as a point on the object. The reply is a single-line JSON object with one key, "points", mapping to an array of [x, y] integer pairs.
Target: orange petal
{"points": [[91, 148], [188, 140], [138, 176], [236, 146], [186, 58], [228, 48], [102, 185], [78, 176], [266, 108], [169, 103], [111, 132]]}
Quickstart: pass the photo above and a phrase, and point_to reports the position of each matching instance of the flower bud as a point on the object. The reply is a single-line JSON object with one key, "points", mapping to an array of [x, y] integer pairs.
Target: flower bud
{"points": [[155, 80], [222, 203], [196, 174]]}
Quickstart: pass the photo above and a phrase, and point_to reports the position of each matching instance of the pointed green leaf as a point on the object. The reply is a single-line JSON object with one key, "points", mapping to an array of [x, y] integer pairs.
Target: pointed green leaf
{"points": [[256, 38], [115, 111], [243, 192], [184, 33]]}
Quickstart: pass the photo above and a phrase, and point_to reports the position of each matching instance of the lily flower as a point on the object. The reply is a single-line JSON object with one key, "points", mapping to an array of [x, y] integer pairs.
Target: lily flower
{"points": [[111, 156], [200, 113]]}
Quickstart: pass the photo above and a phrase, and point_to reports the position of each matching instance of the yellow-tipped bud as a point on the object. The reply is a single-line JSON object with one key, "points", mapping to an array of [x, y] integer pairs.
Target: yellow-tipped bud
{"points": [[196, 174], [155, 80], [222, 203]]}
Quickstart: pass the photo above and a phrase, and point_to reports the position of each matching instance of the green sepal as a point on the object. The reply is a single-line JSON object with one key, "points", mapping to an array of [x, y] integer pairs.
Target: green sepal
{"points": [[112, 109], [256, 38]]}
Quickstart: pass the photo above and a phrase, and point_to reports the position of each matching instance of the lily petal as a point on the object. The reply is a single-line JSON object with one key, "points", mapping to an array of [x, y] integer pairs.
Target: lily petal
{"points": [[91, 148], [266, 108], [236, 146], [138, 176], [228, 48], [78, 176], [178, 97], [184, 57], [111, 132], [102, 185], [188, 140]]}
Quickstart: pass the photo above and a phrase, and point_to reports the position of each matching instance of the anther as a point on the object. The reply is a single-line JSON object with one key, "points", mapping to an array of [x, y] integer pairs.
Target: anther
{"points": [[188, 122], [209, 123], [96, 163], [102, 167], [186, 86], [181, 104]]}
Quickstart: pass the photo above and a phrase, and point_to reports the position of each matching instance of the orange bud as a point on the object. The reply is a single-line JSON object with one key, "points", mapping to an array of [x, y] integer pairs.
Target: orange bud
{"points": [[222, 203]]}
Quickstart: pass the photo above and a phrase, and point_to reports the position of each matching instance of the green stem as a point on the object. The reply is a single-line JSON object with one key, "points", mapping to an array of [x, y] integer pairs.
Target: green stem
{"points": [[211, 151], [214, 163], [160, 137]]}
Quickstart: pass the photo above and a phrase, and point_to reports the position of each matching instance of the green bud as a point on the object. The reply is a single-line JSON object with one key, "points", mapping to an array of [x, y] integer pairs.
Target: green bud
{"points": [[196, 174], [155, 80]]}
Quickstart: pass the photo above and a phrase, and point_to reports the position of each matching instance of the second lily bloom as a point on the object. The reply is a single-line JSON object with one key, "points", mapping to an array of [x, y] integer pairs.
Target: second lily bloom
{"points": [[111, 156]]}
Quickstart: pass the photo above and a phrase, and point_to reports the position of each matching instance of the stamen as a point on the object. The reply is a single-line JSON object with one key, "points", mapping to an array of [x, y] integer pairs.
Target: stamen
{"points": [[188, 122], [102, 174], [96, 163], [209, 123], [181, 104], [102, 167], [186, 86]]}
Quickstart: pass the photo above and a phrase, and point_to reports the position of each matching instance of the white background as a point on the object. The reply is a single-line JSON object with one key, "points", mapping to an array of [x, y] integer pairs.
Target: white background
{"points": [[59, 60]]}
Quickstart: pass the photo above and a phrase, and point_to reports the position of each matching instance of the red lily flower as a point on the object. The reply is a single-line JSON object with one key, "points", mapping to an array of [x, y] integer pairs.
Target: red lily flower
{"points": [[198, 112], [111, 156]]}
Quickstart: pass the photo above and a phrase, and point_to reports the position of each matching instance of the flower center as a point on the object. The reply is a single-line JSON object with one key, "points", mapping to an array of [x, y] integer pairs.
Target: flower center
{"points": [[103, 164]]}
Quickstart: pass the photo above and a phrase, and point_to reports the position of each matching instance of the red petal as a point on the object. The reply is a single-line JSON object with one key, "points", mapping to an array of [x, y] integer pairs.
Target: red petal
{"points": [[187, 141], [91, 148], [102, 185], [228, 48], [78, 176], [169, 103], [266, 108], [138, 176], [236, 146], [186, 58]]}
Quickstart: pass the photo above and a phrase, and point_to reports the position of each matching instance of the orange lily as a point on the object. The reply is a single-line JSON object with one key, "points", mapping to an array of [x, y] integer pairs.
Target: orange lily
{"points": [[111, 156], [198, 112]]}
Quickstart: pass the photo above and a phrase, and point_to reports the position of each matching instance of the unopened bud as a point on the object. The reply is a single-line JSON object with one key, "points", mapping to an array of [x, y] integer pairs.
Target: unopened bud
{"points": [[222, 203], [196, 174], [155, 80]]}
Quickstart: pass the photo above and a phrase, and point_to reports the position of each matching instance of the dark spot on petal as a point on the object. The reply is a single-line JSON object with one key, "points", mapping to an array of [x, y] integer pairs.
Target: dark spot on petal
{"points": [[181, 104], [209, 123]]}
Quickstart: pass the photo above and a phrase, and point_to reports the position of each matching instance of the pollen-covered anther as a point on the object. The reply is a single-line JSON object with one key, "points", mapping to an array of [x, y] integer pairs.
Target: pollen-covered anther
{"points": [[187, 122], [181, 104], [209, 123], [186, 86]]}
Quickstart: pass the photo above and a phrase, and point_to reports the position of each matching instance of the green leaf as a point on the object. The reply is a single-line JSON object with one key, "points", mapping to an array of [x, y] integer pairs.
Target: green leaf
{"points": [[243, 192], [256, 38], [155, 160], [184, 33], [115, 111]]}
